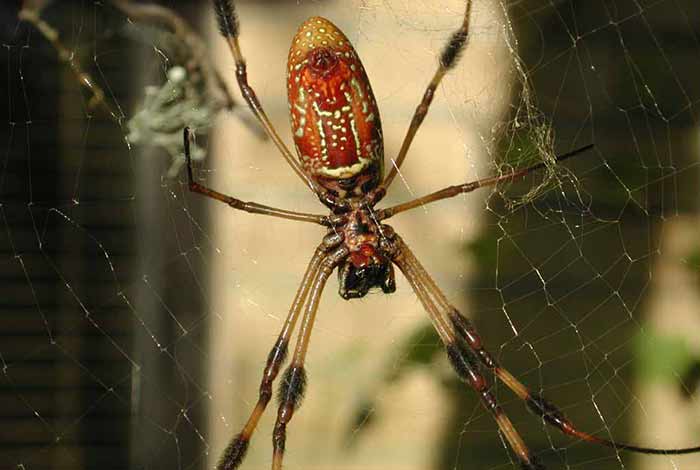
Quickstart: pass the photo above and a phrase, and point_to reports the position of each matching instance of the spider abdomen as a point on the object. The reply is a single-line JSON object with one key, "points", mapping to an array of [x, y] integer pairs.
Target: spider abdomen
{"points": [[334, 116]]}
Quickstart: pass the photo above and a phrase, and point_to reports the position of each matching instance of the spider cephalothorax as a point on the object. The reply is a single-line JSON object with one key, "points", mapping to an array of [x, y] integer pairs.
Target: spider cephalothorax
{"points": [[338, 137], [367, 264]]}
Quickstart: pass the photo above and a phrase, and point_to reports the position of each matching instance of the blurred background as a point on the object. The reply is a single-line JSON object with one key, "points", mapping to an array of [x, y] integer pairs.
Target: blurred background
{"points": [[135, 317]]}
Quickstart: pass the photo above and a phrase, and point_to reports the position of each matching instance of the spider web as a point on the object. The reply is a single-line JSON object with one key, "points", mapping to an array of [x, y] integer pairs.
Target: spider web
{"points": [[136, 317]]}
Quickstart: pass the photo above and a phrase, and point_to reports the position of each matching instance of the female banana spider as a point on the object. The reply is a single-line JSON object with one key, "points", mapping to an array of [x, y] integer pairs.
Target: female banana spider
{"points": [[338, 137]]}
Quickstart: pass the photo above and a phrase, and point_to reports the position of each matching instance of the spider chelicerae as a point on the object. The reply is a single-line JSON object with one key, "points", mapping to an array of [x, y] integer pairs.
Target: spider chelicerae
{"points": [[338, 137]]}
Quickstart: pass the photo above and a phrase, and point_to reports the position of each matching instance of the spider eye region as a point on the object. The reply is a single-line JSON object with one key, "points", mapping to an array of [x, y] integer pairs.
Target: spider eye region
{"points": [[334, 116]]}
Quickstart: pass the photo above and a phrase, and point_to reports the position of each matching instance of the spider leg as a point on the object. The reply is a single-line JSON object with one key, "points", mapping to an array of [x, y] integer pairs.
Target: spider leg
{"points": [[538, 404], [236, 450], [229, 27], [463, 359], [452, 191], [448, 59], [252, 207], [293, 384], [551, 415]]}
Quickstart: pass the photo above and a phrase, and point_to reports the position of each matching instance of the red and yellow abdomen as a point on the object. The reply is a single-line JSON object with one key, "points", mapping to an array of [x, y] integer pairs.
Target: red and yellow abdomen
{"points": [[334, 116]]}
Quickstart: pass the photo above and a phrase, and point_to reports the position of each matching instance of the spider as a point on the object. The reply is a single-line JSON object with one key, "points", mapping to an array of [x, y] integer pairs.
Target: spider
{"points": [[338, 137]]}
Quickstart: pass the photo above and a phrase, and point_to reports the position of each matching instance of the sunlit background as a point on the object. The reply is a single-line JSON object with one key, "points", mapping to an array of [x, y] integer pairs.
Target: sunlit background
{"points": [[137, 317]]}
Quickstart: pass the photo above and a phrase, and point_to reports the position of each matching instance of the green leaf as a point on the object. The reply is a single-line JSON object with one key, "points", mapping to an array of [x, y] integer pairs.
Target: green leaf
{"points": [[662, 358], [364, 415], [483, 249], [693, 261], [418, 349]]}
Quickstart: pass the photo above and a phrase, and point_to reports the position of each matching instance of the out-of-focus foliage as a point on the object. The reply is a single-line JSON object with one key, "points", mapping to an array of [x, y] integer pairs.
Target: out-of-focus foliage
{"points": [[662, 356], [419, 349]]}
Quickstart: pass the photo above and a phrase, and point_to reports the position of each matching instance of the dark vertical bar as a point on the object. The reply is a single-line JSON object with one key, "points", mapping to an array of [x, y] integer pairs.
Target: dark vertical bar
{"points": [[83, 222]]}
